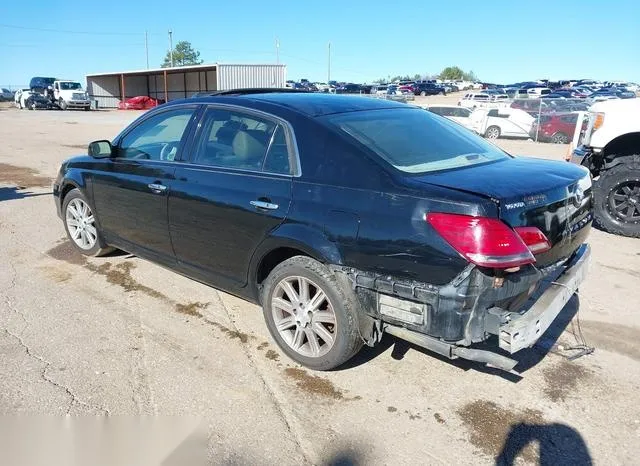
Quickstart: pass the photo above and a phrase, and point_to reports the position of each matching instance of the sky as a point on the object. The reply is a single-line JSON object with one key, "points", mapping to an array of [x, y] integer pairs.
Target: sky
{"points": [[500, 41]]}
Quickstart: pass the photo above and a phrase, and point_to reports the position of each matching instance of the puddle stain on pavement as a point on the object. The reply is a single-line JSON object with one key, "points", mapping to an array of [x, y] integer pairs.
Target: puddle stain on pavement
{"points": [[22, 177], [489, 426], [191, 309], [563, 379], [313, 384], [120, 274], [271, 354], [262, 346], [439, 418]]}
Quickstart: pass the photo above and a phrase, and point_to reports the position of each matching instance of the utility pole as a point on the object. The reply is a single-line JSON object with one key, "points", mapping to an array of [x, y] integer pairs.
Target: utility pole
{"points": [[146, 46], [277, 51], [329, 65], [171, 47]]}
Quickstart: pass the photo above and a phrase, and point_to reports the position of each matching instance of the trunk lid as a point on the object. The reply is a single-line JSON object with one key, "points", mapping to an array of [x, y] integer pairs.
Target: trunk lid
{"points": [[555, 197]]}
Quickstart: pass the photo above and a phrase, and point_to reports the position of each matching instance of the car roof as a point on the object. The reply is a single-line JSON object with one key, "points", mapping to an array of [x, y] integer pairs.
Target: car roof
{"points": [[310, 104]]}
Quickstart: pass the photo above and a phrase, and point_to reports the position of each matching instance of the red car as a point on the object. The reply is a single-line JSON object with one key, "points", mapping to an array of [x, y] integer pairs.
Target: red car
{"points": [[557, 129], [142, 102]]}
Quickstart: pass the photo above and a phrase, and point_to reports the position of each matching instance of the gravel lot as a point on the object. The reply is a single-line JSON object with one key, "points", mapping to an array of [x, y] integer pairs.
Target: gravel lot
{"points": [[121, 336]]}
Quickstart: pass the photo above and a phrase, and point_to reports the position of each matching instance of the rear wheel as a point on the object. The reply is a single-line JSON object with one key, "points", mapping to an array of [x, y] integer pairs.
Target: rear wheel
{"points": [[617, 198], [492, 132], [80, 225], [423, 93], [560, 138], [310, 315]]}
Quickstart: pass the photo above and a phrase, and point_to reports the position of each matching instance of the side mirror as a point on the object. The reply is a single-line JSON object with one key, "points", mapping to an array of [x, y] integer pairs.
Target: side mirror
{"points": [[100, 149]]}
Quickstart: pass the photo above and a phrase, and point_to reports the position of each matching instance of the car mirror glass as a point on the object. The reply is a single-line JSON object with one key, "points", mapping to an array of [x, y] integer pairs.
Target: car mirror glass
{"points": [[100, 149]]}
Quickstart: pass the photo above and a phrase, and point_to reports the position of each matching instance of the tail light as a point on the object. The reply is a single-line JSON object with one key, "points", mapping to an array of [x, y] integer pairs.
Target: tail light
{"points": [[535, 240], [488, 242]]}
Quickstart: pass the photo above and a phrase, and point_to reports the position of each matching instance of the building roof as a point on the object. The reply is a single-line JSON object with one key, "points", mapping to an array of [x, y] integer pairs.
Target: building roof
{"points": [[179, 69]]}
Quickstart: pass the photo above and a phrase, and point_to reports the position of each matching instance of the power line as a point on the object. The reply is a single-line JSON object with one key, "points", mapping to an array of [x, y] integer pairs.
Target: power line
{"points": [[65, 31]]}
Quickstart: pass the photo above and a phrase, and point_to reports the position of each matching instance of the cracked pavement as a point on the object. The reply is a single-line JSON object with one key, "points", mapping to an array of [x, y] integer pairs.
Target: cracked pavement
{"points": [[120, 336]]}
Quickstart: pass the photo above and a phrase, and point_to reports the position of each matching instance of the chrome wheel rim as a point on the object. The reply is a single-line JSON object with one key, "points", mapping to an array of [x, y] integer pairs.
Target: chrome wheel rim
{"points": [[493, 133], [81, 224], [304, 316]]}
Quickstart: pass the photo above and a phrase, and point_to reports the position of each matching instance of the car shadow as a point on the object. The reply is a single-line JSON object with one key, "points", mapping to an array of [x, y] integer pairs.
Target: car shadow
{"points": [[559, 445], [10, 193], [527, 358]]}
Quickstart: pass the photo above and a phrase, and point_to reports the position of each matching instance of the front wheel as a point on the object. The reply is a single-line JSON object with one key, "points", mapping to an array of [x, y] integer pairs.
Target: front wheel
{"points": [[617, 198], [493, 132], [560, 138], [62, 104], [310, 315], [80, 225]]}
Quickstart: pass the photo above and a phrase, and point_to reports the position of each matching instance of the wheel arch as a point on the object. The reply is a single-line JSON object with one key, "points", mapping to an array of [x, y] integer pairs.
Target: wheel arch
{"points": [[624, 145], [288, 241]]}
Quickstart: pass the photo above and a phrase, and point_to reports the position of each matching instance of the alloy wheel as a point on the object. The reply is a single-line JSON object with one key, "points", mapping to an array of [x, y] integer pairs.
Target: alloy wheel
{"points": [[304, 316], [493, 133], [81, 224], [624, 201]]}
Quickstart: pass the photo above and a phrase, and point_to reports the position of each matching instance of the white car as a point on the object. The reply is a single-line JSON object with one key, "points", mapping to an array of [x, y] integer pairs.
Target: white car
{"points": [[379, 89], [460, 115], [323, 87], [474, 100], [20, 97], [537, 92], [501, 122]]}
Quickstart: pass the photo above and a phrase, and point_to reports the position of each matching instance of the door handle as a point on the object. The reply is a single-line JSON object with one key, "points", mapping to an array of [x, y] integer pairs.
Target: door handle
{"points": [[157, 188], [264, 205]]}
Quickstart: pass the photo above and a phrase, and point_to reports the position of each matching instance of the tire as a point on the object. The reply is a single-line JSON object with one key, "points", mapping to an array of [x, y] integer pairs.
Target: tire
{"points": [[339, 301], [492, 132], [423, 94], [86, 109], [62, 104], [614, 187], [75, 198], [560, 138]]}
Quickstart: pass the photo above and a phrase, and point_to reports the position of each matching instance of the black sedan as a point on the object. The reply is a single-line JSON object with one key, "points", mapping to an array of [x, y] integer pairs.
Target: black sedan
{"points": [[343, 217]]}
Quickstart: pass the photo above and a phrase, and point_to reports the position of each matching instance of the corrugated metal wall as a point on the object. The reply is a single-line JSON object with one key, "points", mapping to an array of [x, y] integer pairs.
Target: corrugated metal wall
{"points": [[243, 76], [104, 89]]}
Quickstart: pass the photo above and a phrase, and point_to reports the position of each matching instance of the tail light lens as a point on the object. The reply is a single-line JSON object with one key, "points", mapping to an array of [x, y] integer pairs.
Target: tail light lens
{"points": [[488, 242], [535, 240]]}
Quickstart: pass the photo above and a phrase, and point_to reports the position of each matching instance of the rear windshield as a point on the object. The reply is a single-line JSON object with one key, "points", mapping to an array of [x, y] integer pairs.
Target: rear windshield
{"points": [[416, 141]]}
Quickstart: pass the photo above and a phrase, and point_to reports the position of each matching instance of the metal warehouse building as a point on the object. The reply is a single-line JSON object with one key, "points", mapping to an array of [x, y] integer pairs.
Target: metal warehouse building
{"points": [[108, 89]]}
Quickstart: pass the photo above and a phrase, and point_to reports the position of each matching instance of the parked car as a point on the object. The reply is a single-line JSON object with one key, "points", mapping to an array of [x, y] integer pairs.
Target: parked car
{"points": [[20, 97], [236, 191], [474, 100], [350, 89], [379, 89], [609, 93], [558, 129], [493, 123], [460, 115], [426, 88], [537, 92], [6, 95]]}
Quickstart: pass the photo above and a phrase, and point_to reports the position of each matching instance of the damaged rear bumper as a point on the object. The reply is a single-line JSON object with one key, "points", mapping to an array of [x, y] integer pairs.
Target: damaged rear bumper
{"points": [[449, 319], [521, 330]]}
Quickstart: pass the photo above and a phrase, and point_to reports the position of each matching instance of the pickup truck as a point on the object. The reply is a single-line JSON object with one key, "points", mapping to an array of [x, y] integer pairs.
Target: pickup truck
{"points": [[610, 148]]}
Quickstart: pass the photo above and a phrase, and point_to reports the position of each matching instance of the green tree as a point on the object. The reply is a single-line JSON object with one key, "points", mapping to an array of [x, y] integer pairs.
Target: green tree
{"points": [[455, 72], [183, 55]]}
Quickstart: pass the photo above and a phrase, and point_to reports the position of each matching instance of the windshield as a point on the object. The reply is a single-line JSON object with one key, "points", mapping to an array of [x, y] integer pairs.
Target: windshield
{"points": [[415, 140], [68, 86]]}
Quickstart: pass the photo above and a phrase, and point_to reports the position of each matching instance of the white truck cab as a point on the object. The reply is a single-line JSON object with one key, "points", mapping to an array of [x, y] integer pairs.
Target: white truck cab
{"points": [[70, 94]]}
